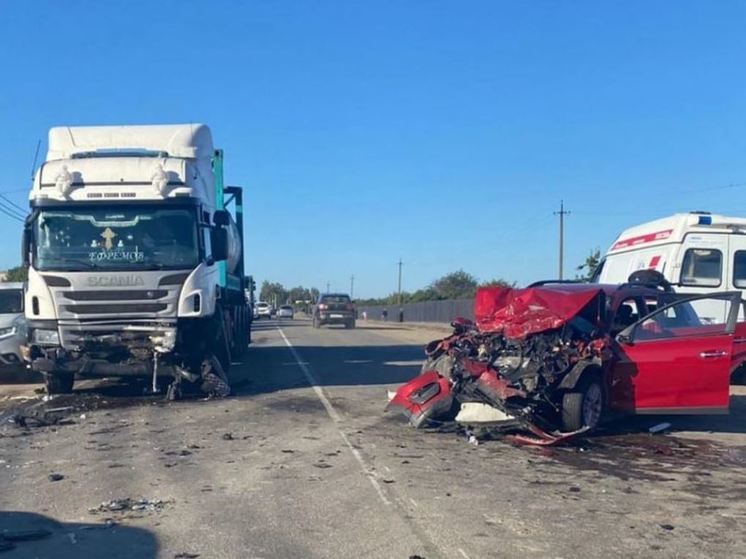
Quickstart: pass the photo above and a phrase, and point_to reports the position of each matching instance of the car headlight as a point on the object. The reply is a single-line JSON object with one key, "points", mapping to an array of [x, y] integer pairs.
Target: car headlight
{"points": [[9, 331], [45, 337]]}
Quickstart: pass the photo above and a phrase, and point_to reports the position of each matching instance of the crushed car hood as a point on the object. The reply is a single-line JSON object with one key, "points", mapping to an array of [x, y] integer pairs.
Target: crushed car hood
{"points": [[517, 313]]}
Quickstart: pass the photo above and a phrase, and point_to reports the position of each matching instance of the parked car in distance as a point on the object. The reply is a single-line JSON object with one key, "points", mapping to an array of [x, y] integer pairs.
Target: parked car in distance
{"points": [[262, 310], [12, 325], [285, 311], [334, 308]]}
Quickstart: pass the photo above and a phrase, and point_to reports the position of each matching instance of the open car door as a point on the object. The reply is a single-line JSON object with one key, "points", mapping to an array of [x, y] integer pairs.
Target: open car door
{"points": [[678, 358]]}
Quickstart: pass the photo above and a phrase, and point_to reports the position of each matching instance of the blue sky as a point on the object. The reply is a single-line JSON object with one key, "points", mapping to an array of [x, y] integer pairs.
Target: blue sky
{"points": [[444, 133]]}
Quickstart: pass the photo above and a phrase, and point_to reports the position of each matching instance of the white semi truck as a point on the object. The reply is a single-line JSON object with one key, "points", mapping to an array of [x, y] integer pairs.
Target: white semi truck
{"points": [[136, 264]]}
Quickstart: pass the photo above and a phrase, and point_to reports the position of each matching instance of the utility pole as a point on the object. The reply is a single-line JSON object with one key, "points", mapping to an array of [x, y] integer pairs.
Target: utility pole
{"points": [[562, 213], [352, 286], [401, 310], [399, 290]]}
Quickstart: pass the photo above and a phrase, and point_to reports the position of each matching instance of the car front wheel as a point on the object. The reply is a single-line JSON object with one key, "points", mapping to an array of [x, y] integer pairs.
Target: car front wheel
{"points": [[584, 408]]}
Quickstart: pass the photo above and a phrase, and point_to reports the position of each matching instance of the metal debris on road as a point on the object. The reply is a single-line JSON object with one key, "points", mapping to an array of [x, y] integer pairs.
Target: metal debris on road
{"points": [[55, 477], [659, 428], [127, 504]]}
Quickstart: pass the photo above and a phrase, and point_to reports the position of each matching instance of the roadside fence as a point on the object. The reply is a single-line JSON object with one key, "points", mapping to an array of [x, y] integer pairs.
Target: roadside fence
{"points": [[425, 311]]}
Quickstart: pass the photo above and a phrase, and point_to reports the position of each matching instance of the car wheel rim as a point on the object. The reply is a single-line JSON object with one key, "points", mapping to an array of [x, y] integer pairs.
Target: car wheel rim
{"points": [[592, 405]]}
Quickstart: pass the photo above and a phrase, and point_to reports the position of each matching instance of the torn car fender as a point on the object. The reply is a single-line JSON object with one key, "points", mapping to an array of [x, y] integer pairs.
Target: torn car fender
{"points": [[572, 378], [425, 397]]}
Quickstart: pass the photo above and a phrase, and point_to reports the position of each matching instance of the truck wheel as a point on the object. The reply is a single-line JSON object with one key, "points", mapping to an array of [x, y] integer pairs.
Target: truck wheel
{"points": [[59, 383], [350, 324], [584, 407], [214, 380]]}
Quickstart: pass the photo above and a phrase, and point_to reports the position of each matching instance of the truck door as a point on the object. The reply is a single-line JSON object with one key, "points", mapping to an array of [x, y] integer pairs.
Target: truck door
{"points": [[673, 361]]}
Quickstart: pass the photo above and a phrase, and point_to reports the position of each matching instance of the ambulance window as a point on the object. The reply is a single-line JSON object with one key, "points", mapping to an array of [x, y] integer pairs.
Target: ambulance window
{"points": [[739, 269], [702, 267]]}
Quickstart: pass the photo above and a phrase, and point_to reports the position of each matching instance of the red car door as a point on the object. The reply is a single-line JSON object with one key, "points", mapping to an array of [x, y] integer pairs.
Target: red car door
{"points": [[677, 359]]}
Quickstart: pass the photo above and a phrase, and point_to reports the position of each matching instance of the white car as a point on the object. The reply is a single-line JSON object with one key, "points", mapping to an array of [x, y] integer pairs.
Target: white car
{"points": [[262, 310], [285, 311], [12, 325]]}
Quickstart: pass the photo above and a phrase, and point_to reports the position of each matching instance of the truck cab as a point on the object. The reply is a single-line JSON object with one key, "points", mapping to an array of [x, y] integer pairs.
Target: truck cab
{"points": [[135, 265]]}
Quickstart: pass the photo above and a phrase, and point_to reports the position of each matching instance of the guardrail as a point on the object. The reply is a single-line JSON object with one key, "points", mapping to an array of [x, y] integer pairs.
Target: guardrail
{"points": [[425, 311]]}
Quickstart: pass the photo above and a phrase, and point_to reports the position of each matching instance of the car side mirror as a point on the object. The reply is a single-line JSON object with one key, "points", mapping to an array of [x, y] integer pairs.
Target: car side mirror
{"points": [[625, 339], [219, 244]]}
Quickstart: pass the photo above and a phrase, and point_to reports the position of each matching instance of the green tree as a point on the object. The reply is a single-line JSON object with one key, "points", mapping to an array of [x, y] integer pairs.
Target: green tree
{"points": [[273, 293], [498, 282], [456, 285], [589, 266], [19, 273]]}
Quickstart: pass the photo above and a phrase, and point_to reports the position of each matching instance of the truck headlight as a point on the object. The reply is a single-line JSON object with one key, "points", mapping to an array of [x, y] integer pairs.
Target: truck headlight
{"points": [[9, 331], [45, 337]]}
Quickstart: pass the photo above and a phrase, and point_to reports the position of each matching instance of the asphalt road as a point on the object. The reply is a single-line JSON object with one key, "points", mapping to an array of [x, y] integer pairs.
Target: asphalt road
{"points": [[303, 462]]}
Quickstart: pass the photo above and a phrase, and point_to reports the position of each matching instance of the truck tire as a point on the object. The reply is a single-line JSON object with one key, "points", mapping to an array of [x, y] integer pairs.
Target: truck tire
{"points": [[585, 406], [59, 383], [214, 380]]}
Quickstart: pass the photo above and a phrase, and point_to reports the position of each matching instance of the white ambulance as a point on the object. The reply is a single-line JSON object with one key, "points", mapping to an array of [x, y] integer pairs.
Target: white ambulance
{"points": [[697, 252]]}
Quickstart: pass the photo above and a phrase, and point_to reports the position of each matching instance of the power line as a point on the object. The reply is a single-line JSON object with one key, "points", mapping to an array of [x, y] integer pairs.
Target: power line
{"points": [[9, 201], [21, 214], [11, 215], [18, 213]]}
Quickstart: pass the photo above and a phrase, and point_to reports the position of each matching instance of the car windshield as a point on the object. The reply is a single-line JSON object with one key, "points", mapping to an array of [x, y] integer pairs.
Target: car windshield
{"points": [[11, 301], [286, 308], [109, 238], [335, 299]]}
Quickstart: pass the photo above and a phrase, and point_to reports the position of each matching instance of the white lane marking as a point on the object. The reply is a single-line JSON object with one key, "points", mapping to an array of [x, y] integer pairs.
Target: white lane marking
{"points": [[335, 417]]}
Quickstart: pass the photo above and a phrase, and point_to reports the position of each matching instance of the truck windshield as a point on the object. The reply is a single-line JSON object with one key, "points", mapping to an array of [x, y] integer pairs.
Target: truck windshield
{"points": [[123, 238]]}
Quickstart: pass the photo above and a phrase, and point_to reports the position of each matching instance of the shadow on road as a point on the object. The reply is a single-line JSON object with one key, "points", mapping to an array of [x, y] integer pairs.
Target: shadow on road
{"points": [[46, 537], [270, 369]]}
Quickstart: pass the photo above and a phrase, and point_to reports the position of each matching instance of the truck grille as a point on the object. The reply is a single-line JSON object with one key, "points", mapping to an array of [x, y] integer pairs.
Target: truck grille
{"points": [[101, 295], [117, 308]]}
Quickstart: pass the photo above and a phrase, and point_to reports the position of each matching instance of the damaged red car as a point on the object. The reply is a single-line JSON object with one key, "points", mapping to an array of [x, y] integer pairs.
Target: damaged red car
{"points": [[560, 358]]}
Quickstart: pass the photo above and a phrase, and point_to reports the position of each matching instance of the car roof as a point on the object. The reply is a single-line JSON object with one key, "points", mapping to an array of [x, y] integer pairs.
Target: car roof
{"points": [[333, 295], [608, 288], [11, 285]]}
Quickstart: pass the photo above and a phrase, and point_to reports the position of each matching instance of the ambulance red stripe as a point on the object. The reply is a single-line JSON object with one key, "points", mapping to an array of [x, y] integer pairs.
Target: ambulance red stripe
{"points": [[642, 239]]}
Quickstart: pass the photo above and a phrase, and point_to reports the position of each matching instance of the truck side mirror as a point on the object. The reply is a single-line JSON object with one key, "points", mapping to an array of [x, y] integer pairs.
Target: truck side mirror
{"points": [[219, 244], [221, 218], [25, 246]]}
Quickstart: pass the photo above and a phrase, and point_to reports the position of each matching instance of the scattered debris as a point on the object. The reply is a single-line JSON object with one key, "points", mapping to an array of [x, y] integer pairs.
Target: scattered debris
{"points": [[55, 477], [127, 504], [228, 437], [659, 428], [667, 527], [185, 555]]}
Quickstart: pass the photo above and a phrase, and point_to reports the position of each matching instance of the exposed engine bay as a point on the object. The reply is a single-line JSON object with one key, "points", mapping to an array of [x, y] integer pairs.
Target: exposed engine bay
{"points": [[525, 350]]}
